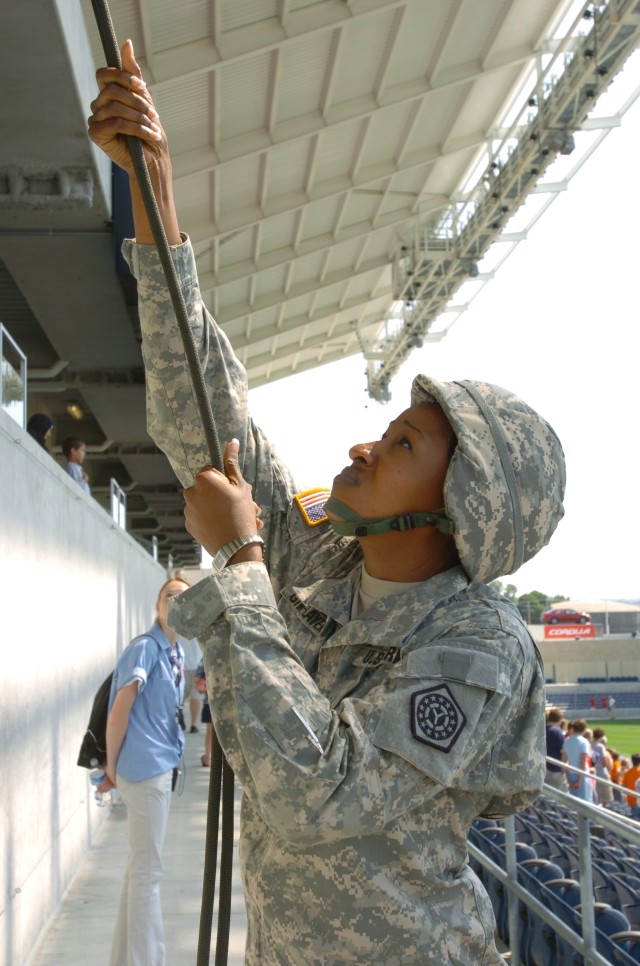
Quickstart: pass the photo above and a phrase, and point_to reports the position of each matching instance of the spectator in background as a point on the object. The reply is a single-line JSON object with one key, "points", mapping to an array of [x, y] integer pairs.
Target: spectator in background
{"points": [[75, 451], [200, 684], [616, 766], [588, 734], [629, 780], [624, 767], [40, 428], [555, 775], [603, 762], [192, 659], [144, 748], [576, 753]]}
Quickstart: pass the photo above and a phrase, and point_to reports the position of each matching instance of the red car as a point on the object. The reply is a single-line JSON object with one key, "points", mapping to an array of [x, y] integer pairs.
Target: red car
{"points": [[565, 616]]}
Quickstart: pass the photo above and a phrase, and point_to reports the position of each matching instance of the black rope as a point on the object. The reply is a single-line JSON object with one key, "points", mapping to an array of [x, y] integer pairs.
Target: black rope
{"points": [[210, 855], [221, 776], [112, 54], [226, 864]]}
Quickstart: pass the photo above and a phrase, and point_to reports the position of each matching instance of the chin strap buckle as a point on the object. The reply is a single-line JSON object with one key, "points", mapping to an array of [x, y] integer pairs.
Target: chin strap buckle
{"points": [[405, 521]]}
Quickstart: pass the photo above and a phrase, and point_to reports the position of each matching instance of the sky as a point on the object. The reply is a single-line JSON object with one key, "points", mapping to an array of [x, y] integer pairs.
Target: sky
{"points": [[559, 325]]}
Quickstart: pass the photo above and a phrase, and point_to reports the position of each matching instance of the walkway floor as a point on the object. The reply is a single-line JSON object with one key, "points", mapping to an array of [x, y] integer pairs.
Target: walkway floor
{"points": [[81, 932]]}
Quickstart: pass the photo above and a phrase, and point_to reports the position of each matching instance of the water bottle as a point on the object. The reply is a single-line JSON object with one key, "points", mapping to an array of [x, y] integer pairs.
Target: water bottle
{"points": [[95, 777]]}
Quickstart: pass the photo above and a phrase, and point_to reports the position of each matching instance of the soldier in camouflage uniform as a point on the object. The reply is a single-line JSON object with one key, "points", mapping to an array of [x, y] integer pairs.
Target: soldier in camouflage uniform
{"points": [[372, 694]]}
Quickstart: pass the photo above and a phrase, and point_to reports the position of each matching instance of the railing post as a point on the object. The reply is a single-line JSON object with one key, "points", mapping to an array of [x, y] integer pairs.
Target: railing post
{"points": [[586, 883], [118, 504], [512, 898]]}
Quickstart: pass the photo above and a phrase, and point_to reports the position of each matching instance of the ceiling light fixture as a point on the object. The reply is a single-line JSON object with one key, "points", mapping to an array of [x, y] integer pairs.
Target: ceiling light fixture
{"points": [[75, 410]]}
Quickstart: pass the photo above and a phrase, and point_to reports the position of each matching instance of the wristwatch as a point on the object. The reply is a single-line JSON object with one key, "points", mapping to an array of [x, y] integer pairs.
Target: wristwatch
{"points": [[224, 554]]}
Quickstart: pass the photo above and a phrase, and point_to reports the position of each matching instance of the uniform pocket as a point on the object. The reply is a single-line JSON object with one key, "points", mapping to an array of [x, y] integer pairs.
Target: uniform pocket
{"points": [[432, 713]]}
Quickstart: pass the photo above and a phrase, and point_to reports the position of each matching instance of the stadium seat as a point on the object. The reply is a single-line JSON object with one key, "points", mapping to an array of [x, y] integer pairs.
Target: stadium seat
{"points": [[542, 870], [562, 851], [564, 900], [490, 840], [628, 890], [525, 828], [608, 861], [630, 865], [542, 841], [532, 874], [524, 851], [607, 921], [625, 948], [610, 922], [603, 888]]}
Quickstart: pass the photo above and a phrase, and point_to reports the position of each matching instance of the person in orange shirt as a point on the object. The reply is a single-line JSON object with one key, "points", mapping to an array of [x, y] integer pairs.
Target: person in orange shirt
{"points": [[616, 773], [629, 780], [615, 766]]}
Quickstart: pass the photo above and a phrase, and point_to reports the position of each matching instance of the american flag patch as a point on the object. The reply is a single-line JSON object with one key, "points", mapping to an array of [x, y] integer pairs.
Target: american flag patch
{"points": [[311, 504]]}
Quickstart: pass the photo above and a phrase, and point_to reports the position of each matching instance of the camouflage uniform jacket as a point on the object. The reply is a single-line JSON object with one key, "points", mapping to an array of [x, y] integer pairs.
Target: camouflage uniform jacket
{"points": [[364, 747]]}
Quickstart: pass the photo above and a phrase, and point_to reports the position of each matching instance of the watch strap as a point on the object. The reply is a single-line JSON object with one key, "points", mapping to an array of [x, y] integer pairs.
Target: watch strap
{"points": [[224, 554]]}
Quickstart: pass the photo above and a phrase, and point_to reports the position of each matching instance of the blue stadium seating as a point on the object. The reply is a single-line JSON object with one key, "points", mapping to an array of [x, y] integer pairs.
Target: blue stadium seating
{"points": [[628, 890], [603, 888], [548, 867], [609, 922], [532, 874], [625, 948], [563, 897]]}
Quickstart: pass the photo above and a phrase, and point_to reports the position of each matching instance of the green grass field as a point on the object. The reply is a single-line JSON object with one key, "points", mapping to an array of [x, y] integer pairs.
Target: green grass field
{"points": [[623, 736]]}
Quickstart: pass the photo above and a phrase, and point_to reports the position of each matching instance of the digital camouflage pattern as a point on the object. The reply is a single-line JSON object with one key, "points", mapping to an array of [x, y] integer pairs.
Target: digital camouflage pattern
{"points": [[505, 484], [365, 747]]}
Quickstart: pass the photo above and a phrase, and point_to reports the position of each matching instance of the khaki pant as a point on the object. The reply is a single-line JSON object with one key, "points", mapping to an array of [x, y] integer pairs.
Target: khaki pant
{"points": [[557, 779], [138, 938]]}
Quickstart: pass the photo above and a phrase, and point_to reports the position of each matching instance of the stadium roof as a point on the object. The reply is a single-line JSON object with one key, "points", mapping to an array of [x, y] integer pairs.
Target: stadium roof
{"points": [[600, 606], [343, 168]]}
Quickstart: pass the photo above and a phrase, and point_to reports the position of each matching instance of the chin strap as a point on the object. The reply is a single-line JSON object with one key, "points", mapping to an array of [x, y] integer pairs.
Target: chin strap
{"points": [[355, 526]]}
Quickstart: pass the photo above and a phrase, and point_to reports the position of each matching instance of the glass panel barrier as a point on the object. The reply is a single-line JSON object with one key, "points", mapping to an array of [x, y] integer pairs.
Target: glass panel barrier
{"points": [[13, 378]]}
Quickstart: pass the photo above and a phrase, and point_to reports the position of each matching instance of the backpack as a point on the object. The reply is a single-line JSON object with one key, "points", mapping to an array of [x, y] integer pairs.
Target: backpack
{"points": [[93, 750]]}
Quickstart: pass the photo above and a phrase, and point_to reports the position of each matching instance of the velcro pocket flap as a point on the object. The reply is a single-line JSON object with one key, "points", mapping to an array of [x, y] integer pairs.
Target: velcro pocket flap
{"points": [[481, 670]]}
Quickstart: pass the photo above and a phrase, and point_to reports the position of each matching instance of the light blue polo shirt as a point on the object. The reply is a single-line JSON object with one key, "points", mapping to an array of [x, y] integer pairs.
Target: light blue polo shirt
{"points": [[153, 741]]}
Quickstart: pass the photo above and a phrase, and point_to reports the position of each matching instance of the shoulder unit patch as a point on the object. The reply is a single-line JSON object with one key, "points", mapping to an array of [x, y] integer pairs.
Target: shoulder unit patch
{"points": [[436, 717], [311, 505]]}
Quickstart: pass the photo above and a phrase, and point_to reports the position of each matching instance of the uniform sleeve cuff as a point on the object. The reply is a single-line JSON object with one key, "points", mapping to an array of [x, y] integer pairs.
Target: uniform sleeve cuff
{"points": [[144, 261], [240, 585]]}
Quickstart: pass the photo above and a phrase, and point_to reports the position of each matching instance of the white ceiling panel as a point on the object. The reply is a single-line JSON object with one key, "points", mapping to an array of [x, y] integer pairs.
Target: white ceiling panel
{"points": [[331, 158]]}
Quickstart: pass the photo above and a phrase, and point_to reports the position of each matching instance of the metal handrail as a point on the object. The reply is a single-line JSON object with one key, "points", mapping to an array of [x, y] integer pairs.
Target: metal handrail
{"points": [[586, 816]]}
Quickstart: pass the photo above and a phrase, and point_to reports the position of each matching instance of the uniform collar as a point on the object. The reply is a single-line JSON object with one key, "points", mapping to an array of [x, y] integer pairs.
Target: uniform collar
{"points": [[333, 598], [159, 637]]}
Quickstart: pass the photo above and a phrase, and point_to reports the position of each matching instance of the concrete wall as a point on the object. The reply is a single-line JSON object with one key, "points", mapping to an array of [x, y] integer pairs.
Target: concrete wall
{"points": [[74, 589]]}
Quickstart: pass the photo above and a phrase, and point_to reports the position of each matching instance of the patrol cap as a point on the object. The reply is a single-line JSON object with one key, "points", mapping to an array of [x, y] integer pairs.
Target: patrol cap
{"points": [[505, 484]]}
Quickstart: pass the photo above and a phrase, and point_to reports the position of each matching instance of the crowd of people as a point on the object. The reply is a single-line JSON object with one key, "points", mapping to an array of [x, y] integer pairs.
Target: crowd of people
{"points": [[586, 766]]}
